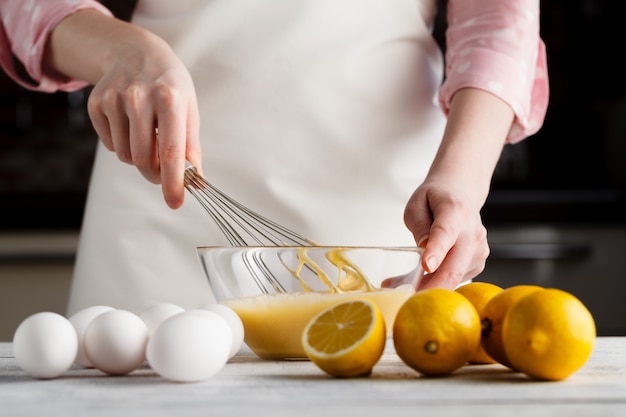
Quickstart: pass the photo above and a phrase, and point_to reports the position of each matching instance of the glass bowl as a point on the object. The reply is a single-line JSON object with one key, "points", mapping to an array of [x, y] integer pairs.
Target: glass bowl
{"points": [[277, 290]]}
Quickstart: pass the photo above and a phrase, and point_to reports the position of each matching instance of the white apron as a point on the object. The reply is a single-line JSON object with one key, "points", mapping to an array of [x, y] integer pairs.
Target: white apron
{"points": [[320, 114]]}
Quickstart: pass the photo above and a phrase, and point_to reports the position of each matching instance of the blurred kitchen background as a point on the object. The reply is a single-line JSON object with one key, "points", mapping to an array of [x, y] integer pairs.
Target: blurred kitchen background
{"points": [[556, 215]]}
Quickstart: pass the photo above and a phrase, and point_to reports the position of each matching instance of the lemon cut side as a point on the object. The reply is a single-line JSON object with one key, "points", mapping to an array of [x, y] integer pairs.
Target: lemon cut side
{"points": [[346, 339]]}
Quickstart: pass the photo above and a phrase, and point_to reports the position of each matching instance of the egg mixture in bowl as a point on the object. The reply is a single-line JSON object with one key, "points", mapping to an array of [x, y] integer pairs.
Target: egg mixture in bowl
{"points": [[276, 291]]}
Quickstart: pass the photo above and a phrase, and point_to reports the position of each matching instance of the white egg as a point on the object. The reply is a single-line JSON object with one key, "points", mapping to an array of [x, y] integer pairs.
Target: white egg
{"points": [[80, 320], [190, 346], [45, 345], [115, 342], [156, 314], [233, 319]]}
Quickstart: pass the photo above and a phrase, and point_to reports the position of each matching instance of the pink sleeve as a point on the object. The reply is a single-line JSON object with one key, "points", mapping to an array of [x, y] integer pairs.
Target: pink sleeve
{"points": [[24, 30], [495, 45]]}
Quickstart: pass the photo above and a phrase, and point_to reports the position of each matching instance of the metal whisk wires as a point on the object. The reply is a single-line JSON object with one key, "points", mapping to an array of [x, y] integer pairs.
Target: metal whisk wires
{"points": [[240, 225]]}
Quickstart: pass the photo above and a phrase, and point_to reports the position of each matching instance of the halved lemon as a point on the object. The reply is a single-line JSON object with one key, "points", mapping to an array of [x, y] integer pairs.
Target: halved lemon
{"points": [[346, 339]]}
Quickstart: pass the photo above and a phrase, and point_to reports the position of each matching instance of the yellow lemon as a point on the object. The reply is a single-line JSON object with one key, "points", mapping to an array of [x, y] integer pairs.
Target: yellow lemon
{"points": [[479, 293], [436, 331], [548, 334], [346, 339], [492, 317]]}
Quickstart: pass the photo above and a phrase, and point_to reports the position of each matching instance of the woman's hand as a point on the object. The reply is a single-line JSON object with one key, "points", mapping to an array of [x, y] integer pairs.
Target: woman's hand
{"points": [[444, 211], [446, 222], [148, 90], [141, 88]]}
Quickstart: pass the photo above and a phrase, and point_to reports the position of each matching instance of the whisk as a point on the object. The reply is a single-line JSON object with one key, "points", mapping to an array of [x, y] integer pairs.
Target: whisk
{"points": [[244, 227], [241, 225]]}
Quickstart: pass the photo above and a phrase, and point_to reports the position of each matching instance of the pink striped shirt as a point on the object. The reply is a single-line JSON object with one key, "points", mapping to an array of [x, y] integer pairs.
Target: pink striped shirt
{"points": [[24, 30], [493, 45]]}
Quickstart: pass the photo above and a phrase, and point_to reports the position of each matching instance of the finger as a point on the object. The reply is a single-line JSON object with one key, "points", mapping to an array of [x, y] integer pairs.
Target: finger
{"points": [[143, 144], [449, 274], [99, 121], [412, 277], [436, 280], [418, 218], [108, 114], [171, 123], [441, 280], [193, 148], [464, 261], [118, 124], [142, 134], [442, 236]]}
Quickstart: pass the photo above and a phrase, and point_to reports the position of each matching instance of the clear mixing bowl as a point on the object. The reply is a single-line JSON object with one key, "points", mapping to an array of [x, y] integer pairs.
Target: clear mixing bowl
{"points": [[277, 290]]}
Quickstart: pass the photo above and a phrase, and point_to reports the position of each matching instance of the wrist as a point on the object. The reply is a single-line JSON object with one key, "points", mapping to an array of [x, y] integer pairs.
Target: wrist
{"points": [[87, 43], [476, 131]]}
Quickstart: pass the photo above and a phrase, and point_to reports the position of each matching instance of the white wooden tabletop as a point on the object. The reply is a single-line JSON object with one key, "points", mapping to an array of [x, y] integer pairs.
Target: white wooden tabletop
{"points": [[248, 386]]}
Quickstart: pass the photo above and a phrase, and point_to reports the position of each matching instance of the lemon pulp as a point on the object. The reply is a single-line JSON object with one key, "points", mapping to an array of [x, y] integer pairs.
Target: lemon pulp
{"points": [[347, 339]]}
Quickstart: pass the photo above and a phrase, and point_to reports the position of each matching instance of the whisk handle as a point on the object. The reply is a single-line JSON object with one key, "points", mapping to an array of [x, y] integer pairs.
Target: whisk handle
{"points": [[189, 165]]}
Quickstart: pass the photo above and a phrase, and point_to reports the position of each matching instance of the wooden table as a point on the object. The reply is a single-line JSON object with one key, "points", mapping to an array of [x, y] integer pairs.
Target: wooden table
{"points": [[248, 386]]}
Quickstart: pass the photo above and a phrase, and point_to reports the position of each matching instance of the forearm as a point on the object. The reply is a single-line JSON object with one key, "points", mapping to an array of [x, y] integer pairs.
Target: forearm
{"points": [[476, 131], [85, 44], [495, 46], [24, 31]]}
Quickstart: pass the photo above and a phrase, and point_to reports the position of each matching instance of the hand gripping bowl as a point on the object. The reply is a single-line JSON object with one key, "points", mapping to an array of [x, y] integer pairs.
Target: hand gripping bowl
{"points": [[277, 290]]}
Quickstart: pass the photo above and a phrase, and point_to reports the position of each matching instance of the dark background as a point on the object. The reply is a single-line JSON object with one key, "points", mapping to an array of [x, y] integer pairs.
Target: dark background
{"points": [[572, 170]]}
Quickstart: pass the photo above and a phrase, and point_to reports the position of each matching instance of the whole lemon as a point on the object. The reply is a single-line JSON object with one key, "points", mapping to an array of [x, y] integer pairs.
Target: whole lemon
{"points": [[548, 334], [479, 293], [436, 331], [492, 316]]}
